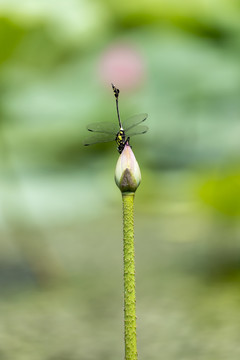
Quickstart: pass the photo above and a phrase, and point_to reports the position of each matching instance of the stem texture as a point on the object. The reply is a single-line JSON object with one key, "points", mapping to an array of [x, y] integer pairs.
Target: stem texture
{"points": [[129, 278]]}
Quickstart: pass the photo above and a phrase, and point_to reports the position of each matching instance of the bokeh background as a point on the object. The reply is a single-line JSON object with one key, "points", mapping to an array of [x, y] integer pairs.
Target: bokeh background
{"points": [[60, 210]]}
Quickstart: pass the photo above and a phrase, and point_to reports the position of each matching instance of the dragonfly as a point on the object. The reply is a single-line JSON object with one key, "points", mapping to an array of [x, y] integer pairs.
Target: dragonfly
{"points": [[118, 131]]}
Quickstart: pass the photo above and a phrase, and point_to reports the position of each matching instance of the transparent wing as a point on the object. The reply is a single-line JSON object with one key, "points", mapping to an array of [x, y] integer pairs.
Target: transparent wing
{"points": [[134, 121], [140, 129], [98, 138], [104, 127]]}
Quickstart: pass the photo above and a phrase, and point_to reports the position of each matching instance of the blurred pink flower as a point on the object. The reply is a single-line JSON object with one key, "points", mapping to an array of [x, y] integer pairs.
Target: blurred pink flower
{"points": [[122, 65]]}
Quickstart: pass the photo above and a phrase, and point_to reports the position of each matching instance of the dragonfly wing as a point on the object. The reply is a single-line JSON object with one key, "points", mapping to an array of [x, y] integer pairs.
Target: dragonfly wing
{"points": [[134, 121], [103, 128], [98, 138], [140, 129]]}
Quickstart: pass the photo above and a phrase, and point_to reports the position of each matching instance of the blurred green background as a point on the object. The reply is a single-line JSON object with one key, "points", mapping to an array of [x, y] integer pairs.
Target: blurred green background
{"points": [[60, 210]]}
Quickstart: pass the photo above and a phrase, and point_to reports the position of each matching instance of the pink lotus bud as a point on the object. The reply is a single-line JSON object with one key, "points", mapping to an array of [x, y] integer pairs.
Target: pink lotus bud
{"points": [[127, 173]]}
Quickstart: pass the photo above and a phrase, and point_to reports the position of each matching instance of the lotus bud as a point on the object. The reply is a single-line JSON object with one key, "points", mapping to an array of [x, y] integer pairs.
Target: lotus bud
{"points": [[127, 173]]}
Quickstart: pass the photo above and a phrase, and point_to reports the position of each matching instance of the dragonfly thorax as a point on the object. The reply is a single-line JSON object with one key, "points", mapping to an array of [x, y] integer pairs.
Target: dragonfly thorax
{"points": [[120, 140]]}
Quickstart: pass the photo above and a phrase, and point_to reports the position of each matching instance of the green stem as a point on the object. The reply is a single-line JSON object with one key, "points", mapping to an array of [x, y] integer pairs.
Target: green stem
{"points": [[130, 336]]}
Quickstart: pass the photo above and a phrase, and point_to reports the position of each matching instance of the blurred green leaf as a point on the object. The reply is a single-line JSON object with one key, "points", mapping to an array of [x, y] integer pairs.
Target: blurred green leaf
{"points": [[222, 192], [11, 34]]}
